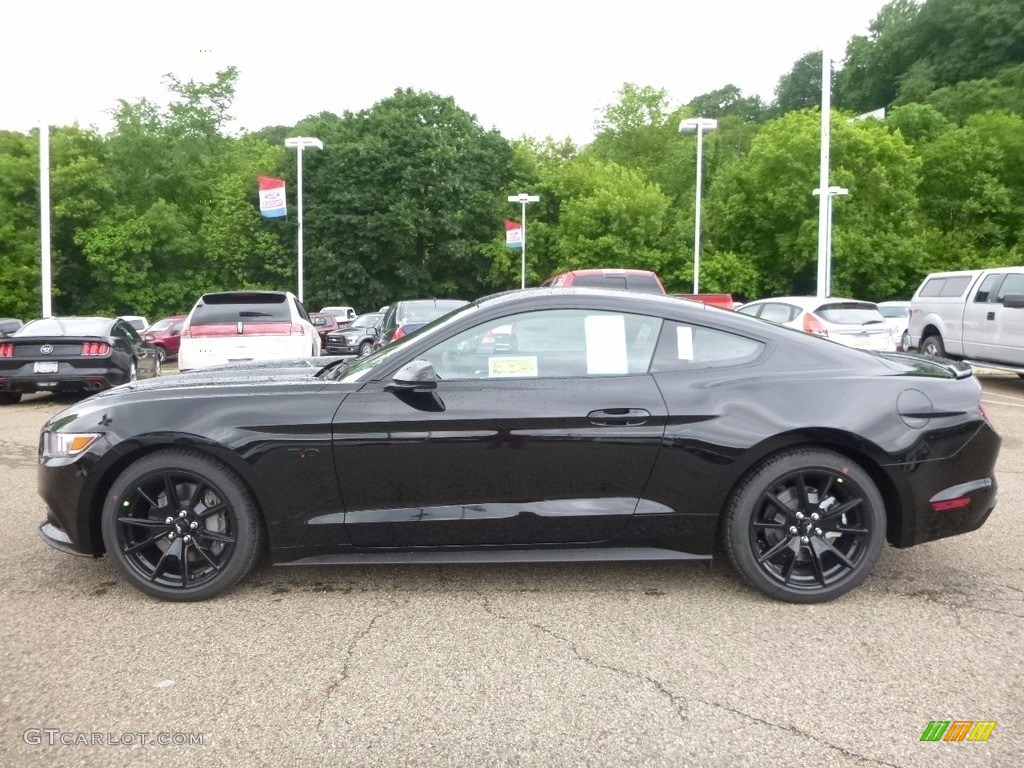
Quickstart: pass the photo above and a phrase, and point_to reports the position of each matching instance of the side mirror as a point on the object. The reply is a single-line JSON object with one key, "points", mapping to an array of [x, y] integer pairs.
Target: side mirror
{"points": [[1014, 300], [417, 376]]}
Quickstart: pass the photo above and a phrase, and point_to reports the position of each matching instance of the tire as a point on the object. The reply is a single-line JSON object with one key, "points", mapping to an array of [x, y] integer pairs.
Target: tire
{"points": [[932, 345], [795, 546], [905, 341], [10, 398], [157, 365], [212, 540], [161, 355], [365, 348], [133, 371]]}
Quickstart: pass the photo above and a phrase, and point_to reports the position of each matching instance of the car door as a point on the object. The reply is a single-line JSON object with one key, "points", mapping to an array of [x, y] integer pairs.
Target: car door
{"points": [[543, 428], [1008, 343], [979, 317]]}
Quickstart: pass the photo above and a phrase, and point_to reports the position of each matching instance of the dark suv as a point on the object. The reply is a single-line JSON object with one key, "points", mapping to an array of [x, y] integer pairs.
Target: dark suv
{"points": [[356, 339], [404, 317]]}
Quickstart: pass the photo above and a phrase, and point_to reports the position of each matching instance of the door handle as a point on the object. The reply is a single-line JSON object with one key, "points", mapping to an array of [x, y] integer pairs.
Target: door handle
{"points": [[990, 316], [619, 417]]}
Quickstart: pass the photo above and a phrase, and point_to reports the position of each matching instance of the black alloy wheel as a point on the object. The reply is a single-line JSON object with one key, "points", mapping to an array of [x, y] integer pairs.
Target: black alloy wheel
{"points": [[806, 526], [10, 398], [181, 526]]}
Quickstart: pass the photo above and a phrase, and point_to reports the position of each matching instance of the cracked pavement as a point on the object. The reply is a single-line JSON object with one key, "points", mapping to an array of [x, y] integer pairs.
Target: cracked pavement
{"points": [[595, 664]]}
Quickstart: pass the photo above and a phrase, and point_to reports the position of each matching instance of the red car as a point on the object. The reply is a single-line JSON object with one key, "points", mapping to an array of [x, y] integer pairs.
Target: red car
{"points": [[324, 323], [166, 335]]}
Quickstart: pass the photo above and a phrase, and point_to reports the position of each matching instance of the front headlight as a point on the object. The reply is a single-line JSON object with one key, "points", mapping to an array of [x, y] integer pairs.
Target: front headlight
{"points": [[349, 339], [65, 445]]}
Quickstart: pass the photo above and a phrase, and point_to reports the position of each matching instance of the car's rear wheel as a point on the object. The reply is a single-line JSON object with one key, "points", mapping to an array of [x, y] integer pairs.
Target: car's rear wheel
{"points": [[805, 526], [365, 348], [932, 345], [905, 341], [10, 398], [133, 371], [181, 526], [161, 354]]}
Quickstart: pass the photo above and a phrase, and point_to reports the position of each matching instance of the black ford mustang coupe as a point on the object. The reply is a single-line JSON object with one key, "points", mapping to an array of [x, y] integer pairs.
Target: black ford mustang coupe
{"points": [[536, 425]]}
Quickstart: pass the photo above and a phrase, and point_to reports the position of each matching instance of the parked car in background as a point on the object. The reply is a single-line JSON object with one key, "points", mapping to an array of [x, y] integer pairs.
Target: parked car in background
{"points": [[9, 325], [618, 426], [246, 325], [73, 354], [324, 322], [897, 317], [722, 300], [166, 336], [637, 280], [138, 322], [356, 338], [344, 315], [975, 315], [848, 321], [404, 317]]}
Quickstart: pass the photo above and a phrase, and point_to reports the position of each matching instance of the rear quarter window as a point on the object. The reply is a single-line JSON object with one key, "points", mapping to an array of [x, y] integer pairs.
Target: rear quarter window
{"points": [[945, 287], [683, 347]]}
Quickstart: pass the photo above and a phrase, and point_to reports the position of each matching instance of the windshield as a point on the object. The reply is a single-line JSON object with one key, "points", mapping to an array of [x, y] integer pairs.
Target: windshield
{"points": [[66, 326], [360, 369], [368, 320], [849, 313]]}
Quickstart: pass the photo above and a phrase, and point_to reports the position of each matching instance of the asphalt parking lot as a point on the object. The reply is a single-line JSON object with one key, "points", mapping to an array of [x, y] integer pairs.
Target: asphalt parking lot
{"points": [[621, 664]]}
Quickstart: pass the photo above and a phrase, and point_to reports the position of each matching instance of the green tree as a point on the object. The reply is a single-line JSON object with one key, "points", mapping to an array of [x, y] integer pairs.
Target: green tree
{"points": [[20, 284], [402, 202]]}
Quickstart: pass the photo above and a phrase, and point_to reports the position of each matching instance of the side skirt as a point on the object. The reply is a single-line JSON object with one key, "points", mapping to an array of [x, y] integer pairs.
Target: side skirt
{"points": [[587, 554]]}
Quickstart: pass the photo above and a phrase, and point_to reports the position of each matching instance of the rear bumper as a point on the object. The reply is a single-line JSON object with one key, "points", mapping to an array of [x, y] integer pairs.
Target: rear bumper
{"points": [[92, 380]]}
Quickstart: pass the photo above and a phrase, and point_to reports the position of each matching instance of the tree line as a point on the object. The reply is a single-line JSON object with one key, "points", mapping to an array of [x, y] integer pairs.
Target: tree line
{"points": [[408, 197]]}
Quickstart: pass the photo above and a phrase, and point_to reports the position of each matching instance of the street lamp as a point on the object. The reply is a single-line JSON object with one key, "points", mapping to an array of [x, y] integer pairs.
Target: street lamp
{"points": [[300, 143], [700, 126], [523, 199], [826, 288]]}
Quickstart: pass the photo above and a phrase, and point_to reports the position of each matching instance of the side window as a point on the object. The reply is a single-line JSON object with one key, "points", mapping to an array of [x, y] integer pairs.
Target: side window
{"points": [[692, 347], [932, 288], [1012, 284], [302, 312], [125, 331], [753, 311], [984, 291], [549, 344], [778, 313]]}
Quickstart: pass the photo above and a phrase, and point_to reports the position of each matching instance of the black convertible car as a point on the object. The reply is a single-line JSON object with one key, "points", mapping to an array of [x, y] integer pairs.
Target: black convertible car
{"points": [[537, 425]]}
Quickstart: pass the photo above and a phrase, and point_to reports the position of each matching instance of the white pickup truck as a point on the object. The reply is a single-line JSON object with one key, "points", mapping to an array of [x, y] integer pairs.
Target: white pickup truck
{"points": [[975, 315]]}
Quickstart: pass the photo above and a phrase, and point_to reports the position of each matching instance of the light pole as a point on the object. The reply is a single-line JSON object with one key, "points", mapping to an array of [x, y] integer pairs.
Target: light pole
{"points": [[300, 143], [523, 199], [825, 282], [700, 126]]}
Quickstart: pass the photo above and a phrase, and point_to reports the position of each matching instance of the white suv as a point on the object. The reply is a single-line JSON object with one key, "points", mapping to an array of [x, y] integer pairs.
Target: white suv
{"points": [[239, 326]]}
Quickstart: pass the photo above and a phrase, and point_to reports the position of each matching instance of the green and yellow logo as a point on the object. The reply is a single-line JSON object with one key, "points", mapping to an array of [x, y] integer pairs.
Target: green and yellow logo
{"points": [[958, 730]]}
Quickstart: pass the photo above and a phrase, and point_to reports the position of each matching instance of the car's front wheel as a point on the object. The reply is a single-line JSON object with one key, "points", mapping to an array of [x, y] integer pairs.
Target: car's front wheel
{"points": [[161, 354], [805, 526], [180, 525], [365, 348]]}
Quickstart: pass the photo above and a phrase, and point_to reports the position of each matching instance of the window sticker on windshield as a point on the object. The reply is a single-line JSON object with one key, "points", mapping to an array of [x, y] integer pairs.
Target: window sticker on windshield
{"points": [[684, 342], [606, 344], [512, 367]]}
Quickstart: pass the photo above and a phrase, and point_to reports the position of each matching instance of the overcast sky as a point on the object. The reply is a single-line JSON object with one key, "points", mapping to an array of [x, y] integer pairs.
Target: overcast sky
{"points": [[534, 68]]}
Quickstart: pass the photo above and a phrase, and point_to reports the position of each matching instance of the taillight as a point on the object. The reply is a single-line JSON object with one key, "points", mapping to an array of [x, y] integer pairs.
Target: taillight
{"points": [[7, 350], [298, 329], [399, 333], [813, 325], [95, 349]]}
